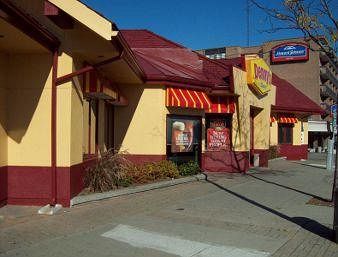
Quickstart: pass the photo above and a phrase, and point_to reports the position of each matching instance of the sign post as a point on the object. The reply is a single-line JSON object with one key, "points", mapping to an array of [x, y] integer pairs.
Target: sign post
{"points": [[334, 197], [330, 144]]}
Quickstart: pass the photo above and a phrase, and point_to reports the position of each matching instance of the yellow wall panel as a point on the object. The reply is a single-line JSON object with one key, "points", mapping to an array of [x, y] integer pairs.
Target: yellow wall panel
{"points": [[274, 133], [3, 110], [140, 127], [247, 100], [29, 109]]}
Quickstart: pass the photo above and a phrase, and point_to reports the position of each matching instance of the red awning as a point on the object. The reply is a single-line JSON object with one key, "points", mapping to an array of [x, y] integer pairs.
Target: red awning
{"points": [[97, 87], [273, 119], [178, 97], [222, 104], [287, 119]]}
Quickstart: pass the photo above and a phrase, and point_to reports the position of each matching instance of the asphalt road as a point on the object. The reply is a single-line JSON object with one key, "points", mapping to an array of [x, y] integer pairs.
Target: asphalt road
{"points": [[264, 213]]}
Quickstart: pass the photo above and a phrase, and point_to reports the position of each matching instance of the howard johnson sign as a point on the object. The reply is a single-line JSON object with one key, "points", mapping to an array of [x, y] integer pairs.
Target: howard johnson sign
{"points": [[288, 52]]}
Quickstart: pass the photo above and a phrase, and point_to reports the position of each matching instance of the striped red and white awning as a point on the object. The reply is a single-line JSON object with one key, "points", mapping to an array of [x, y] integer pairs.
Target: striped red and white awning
{"points": [[97, 87], [287, 119], [222, 104], [186, 98]]}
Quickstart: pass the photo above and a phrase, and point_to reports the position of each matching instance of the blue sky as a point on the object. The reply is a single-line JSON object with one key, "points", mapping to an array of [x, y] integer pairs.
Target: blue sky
{"points": [[196, 24]]}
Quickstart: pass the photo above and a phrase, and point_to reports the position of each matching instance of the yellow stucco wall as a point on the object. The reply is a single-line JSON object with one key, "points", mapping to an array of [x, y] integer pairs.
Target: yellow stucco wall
{"points": [[69, 116], [241, 119], [25, 89], [85, 113], [274, 133], [140, 127], [3, 110], [28, 109]]}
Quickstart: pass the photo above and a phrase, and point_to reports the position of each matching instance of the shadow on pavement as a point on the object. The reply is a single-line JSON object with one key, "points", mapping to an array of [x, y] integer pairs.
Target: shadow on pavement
{"points": [[306, 223], [290, 188]]}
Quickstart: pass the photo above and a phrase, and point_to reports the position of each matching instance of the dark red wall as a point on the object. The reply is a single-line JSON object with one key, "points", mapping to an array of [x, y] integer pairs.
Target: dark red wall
{"points": [[32, 185], [77, 174], [225, 161], [293, 152], [263, 157], [3, 186], [144, 158], [29, 185]]}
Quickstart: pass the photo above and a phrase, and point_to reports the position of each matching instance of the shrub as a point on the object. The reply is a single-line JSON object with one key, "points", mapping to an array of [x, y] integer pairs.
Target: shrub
{"points": [[189, 168], [168, 169], [138, 174], [108, 173], [113, 170]]}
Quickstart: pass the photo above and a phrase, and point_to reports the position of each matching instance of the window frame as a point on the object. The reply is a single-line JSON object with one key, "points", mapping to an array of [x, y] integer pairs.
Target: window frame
{"points": [[284, 127]]}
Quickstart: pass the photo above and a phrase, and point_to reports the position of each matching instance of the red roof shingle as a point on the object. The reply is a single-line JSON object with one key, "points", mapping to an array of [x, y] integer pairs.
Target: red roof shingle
{"points": [[290, 99], [163, 60]]}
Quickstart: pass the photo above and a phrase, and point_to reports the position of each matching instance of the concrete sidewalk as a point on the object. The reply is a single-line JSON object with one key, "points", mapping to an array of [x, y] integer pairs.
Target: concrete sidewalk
{"points": [[264, 213]]}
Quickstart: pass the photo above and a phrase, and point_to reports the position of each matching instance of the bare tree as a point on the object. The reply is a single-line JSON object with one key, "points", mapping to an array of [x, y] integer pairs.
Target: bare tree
{"points": [[314, 18]]}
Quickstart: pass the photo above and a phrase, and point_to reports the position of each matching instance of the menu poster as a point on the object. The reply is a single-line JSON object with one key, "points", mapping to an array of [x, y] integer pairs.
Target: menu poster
{"points": [[218, 139], [182, 136], [218, 136]]}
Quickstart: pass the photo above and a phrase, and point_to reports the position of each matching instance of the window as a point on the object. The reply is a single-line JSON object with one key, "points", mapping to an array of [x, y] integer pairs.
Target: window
{"points": [[285, 133], [89, 127], [109, 126]]}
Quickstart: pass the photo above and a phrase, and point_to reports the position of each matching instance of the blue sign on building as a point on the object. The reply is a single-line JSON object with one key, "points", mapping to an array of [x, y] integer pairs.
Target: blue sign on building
{"points": [[334, 108], [287, 52]]}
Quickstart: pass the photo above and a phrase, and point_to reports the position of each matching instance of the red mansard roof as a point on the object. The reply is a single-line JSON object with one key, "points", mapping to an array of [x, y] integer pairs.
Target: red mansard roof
{"points": [[290, 99], [162, 60]]}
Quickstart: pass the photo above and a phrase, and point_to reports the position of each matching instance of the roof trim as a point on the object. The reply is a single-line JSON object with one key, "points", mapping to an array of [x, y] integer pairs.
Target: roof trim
{"points": [[301, 110], [29, 26], [88, 17]]}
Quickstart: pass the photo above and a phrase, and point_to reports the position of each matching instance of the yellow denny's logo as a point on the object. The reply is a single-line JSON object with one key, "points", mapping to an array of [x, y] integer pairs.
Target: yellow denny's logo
{"points": [[259, 75]]}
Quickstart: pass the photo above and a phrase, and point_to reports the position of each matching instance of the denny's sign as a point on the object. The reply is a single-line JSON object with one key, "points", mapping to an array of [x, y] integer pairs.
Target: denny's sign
{"points": [[259, 75]]}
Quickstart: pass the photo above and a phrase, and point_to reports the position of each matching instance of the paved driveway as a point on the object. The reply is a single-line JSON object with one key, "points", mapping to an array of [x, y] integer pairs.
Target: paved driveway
{"points": [[264, 213]]}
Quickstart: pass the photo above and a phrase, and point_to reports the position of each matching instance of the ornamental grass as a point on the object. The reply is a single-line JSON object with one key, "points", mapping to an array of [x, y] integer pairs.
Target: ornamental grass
{"points": [[114, 170]]}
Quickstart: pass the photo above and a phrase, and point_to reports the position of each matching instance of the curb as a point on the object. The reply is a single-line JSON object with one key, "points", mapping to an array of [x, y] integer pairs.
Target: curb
{"points": [[314, 165], [276, 159], [133, 190]]}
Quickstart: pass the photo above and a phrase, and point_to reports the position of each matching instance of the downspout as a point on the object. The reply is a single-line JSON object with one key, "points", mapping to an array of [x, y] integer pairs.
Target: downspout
{"points": [[53, 127]]}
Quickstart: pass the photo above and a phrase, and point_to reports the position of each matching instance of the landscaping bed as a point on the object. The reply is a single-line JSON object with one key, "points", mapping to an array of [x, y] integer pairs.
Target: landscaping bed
{"points": [[114, 171]]}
